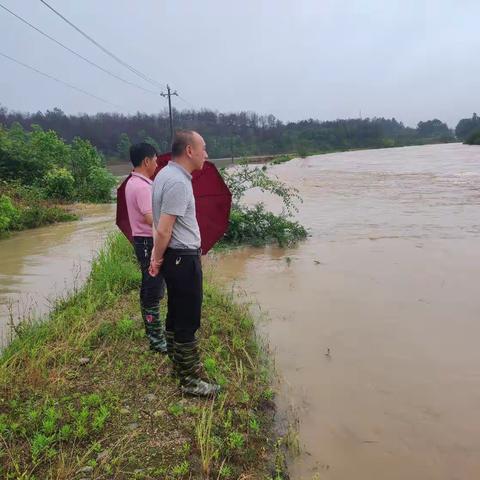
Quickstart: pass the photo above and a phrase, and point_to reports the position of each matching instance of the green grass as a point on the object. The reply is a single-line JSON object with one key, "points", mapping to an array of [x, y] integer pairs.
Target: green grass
{"points": [[83, 391], [24, 207]]}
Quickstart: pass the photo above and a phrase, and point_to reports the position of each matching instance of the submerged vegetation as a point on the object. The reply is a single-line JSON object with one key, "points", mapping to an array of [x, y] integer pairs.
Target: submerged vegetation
{"points": [[82, 396], [254, 225]]}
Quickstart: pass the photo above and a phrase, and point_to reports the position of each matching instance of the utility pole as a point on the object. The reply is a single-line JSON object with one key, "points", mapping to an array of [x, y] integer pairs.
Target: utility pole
{"points": [[169, 94]]}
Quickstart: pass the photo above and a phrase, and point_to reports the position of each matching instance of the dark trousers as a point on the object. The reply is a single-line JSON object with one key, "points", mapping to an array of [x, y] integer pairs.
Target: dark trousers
{"points": [[152, 289], [184, 279]]}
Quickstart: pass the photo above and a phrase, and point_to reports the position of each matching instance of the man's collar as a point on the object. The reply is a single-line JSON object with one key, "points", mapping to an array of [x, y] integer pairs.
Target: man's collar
{"points": [[182, 169], [143, 177]]}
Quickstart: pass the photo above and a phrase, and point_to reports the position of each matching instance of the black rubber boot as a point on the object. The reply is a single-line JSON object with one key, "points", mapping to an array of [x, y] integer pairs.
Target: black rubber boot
{"points": [[189, 370], [154, 330]]}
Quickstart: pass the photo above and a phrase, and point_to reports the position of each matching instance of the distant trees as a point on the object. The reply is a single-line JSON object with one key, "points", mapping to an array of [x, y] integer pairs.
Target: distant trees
{"points": [[433, 129], [467, 128], [123, 146], [240, 134]]}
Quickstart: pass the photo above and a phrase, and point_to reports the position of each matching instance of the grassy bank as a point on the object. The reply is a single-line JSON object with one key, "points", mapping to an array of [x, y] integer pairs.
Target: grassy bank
{"points": [[23, 207], [83, 397]]}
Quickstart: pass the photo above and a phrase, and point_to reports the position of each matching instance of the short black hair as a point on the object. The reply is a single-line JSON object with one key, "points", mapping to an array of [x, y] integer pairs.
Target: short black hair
{"points": [[139, 151], [181, 139]]}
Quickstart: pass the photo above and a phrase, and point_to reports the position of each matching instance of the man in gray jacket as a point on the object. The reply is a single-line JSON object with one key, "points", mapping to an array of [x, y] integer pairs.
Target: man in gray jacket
{"points": [[177, 253]]}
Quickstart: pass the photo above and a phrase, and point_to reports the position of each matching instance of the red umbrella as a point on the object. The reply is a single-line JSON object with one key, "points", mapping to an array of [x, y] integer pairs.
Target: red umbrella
{"points": [[212, 202]]}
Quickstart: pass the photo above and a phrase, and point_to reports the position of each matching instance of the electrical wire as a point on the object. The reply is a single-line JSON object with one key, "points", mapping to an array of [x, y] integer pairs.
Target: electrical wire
{"points": [[51, 77], [76, 53], [104, 49]]}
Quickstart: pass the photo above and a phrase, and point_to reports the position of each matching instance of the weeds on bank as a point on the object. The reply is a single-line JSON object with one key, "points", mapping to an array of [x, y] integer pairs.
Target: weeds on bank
{"points": [[83, 397]]}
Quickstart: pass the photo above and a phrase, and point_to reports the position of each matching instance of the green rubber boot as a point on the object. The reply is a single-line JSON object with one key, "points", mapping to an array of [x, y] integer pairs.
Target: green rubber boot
{"points": [[154, 330], [189, 369], [169, 337]]}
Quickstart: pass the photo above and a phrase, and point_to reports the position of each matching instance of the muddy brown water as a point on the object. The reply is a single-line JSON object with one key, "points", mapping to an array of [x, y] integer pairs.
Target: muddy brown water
{"points": [[37, 266], [374, 320]]}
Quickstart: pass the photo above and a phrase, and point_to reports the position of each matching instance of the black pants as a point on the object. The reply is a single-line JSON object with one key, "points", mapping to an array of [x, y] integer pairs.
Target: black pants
{"points": [[152, 289], [184, 279]]}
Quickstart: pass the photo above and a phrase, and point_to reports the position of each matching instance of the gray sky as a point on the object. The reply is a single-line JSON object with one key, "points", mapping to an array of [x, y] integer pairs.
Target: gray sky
{"points": [[325, 59]]}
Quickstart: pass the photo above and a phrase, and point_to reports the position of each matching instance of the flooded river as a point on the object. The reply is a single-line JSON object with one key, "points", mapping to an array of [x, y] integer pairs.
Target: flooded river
{"points": [[37, 266], [374, 320]]}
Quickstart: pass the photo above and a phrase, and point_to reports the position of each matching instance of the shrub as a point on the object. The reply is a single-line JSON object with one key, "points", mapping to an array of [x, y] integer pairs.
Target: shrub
{"points": [[473, 138], [99, 186], [302, 151], [256, 226], [34, 216], [59, 184], [42, 160], [8, 213], [241, 179]]}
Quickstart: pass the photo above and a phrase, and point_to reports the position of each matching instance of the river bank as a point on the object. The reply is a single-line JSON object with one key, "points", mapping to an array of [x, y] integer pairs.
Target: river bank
{"points": [[83, 397], [22, 208]]}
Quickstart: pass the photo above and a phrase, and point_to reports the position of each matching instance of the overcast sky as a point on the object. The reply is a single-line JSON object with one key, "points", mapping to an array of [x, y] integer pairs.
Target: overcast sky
{"points": [[296, 59]]}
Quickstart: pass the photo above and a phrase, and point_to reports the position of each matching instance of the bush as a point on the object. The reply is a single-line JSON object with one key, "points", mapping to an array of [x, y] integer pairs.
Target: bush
{"points": [[8, 213], [302, 151], [473, 138], [256, 226], [25, 206], [59, 184], [34, 216], [61, 171], [99, 186], [244, 178]]}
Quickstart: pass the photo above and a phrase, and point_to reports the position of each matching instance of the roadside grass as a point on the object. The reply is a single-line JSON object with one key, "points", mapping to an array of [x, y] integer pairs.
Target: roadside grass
{"points": [[82, 396]]}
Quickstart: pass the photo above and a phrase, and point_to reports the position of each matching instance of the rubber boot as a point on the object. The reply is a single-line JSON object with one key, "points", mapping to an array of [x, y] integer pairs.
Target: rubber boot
{"points": [[154, 330], [189, 370], [169, 336]]}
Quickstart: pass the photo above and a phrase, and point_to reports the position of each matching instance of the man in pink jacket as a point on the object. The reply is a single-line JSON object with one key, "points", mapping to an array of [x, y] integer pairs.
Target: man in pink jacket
{"points": [[138, 193]]}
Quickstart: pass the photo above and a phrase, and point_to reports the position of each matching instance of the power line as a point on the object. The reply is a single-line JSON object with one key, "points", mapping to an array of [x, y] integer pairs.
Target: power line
{"points": [[76, 53], [105, 50], [186, 102], [57, 80]]}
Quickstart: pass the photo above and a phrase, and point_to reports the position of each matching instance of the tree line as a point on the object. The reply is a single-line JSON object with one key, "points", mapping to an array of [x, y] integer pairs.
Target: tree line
{"points": [[235, 134]]}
